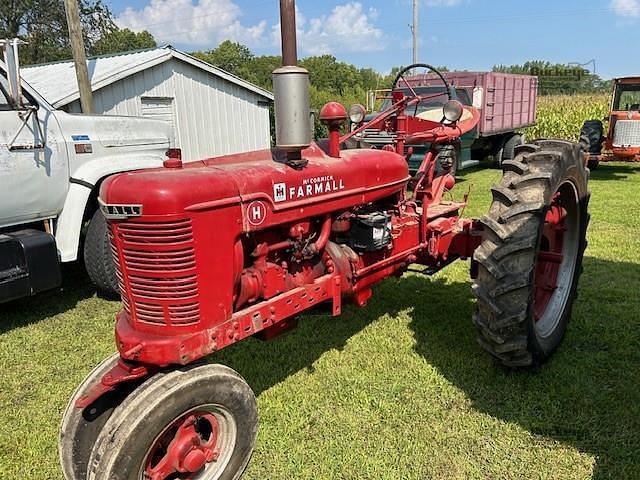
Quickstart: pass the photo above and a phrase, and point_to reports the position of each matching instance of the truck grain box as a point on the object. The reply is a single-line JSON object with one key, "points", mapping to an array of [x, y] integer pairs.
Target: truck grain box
{"points": [[51, 167], [507, 103]]}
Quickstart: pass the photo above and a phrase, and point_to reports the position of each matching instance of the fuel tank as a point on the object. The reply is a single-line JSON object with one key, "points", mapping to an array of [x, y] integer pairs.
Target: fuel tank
{"points": [[269, 190]]}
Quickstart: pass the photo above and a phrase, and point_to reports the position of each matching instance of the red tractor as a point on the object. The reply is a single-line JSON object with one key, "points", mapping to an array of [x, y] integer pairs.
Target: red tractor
{"points": [[212, 252], [622, 142]]}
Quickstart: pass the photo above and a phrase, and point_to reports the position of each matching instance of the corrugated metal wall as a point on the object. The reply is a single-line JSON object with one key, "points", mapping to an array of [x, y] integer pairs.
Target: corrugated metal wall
{"points": [[213, 116]]}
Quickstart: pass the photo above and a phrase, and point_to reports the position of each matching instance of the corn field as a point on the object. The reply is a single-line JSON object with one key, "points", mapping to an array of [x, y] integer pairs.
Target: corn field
{"points": [[562, 116]]}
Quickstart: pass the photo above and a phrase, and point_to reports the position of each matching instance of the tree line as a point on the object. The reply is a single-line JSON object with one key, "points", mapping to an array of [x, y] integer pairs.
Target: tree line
{"points": [[42, 24]]}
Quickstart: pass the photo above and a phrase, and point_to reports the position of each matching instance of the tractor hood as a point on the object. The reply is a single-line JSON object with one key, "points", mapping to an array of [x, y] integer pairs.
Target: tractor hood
{"points": [[261, 176]]}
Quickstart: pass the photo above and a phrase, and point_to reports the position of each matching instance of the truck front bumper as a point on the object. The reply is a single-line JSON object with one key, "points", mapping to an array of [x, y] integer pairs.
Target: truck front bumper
{"points": [[28, 264]]}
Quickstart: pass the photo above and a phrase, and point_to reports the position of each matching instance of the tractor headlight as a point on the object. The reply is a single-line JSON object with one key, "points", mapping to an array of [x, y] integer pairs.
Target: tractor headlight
{"points": [[357, 113], [453, 111]]}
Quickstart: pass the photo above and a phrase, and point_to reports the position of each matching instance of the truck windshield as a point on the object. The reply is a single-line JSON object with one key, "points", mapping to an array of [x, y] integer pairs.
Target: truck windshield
{"points": [[627, 98], [430, 104]]}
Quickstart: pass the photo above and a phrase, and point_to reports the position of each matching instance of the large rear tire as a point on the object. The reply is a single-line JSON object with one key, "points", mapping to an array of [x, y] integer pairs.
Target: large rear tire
{"points": [[196, 422], [530, 257], [98, 259]]}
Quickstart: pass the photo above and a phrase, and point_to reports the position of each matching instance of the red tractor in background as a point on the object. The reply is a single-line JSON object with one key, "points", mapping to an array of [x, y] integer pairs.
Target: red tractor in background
{"points": [[622, 142], [212, 252]]}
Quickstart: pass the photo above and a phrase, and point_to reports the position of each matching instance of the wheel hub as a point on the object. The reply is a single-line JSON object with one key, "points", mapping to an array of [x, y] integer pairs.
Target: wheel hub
{"points": [[185, 448]]}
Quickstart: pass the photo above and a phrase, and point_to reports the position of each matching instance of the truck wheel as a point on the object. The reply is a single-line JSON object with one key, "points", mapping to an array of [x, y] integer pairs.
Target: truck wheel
{"points": [[97, 257], [195, 422], [531, 253], [507, 150], [591, 138], [80, 428]]}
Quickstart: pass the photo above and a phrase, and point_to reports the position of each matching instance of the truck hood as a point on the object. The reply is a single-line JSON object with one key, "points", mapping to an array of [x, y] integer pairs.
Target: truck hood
{"points": [[118, 131]]}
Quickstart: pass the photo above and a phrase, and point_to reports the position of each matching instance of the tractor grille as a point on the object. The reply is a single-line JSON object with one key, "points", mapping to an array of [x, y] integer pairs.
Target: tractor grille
{"points": [[627, 133], [378, 137], [157, 271]]}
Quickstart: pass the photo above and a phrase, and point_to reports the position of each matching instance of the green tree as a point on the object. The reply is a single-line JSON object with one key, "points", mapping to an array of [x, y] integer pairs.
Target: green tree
{"points": [[329, 74], [259, 70], [43, 25], [122, 40], [230, 56]]}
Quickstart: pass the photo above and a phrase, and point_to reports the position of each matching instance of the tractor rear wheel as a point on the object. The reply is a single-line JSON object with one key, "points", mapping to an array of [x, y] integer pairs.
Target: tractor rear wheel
{"points": [[591, 138], [530, 258], [196, 422]]}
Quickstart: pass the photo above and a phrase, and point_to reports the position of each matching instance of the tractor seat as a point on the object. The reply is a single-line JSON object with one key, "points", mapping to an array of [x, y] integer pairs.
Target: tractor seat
{"points": [[436, 115]]}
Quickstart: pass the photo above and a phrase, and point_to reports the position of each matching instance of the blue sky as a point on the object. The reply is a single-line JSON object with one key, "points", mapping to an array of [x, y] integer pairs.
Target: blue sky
{"points": [[464, 34]]}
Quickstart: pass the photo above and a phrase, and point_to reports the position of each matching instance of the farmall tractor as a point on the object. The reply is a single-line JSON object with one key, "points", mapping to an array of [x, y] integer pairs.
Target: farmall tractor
{"points": [[212, 252], [622, 142]]}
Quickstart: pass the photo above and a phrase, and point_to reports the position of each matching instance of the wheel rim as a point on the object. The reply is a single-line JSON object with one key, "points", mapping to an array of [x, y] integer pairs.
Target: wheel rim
{"points": [[198, 445], [556, 262]]}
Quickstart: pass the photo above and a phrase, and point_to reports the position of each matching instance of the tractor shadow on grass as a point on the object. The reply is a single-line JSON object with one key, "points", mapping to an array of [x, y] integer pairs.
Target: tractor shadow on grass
{"points": [[587, 395], [615, 171], [76, 287]]}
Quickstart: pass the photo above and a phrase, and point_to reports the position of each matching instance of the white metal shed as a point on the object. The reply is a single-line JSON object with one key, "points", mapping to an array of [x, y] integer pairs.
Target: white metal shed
{"points": [[212, 111]]}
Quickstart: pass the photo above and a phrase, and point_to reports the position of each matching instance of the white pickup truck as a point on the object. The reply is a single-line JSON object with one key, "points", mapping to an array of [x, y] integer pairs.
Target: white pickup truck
{"points": [[51, 166]]}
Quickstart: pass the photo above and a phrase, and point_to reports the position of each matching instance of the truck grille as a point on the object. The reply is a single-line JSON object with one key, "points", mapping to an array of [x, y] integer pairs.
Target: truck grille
{"points": [[157, 271], [378, 137], [627, 133]]}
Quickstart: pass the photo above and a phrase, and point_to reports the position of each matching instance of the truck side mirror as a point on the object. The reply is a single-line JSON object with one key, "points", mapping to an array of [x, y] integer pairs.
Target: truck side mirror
{"points": [[12, 62]]}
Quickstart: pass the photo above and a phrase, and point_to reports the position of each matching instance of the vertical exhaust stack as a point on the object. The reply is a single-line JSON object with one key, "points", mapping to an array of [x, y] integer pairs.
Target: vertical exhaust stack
{"points": [[291, 90]]}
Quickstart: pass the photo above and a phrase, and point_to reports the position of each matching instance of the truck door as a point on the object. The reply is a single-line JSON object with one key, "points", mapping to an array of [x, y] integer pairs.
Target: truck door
{"points": [[33, 167]]}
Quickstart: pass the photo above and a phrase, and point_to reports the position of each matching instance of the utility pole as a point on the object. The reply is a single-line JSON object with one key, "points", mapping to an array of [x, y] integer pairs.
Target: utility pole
{"points": [[79, 55], [414, 31]]}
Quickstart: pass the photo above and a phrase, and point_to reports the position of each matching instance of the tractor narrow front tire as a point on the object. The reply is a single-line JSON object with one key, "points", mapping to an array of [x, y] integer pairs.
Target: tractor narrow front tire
{"points": [[207, 409], [80, 427], [98, 259], [530, 258]]}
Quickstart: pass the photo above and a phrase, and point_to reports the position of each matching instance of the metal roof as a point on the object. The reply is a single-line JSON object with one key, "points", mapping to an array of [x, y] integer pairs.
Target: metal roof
{"points": [[57, 83]]}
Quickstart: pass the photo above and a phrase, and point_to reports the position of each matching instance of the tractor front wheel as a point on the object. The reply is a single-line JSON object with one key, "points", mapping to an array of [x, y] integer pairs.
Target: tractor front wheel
{"points": [[196, 422], [80, 427], [530, 258]]}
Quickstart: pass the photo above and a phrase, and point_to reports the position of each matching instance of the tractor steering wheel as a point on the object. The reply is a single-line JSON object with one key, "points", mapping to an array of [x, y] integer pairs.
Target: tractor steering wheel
{"points": [[449, 91]]}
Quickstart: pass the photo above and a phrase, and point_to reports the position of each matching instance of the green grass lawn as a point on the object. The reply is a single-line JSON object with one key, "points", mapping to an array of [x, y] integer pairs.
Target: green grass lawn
{"points": [[398, 390]]}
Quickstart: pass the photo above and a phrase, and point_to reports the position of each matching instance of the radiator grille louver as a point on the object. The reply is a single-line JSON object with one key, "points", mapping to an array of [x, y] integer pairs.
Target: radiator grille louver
{"points": [[627, 133], [157, 271]]}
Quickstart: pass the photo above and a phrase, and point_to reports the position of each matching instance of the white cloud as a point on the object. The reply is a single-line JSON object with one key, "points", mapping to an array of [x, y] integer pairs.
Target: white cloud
{"points": [[626, 8], [207, 22], [348, 28]]}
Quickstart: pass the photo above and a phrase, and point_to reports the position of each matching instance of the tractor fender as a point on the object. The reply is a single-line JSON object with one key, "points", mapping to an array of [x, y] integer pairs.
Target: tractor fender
{"points": [[83, 182]]}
